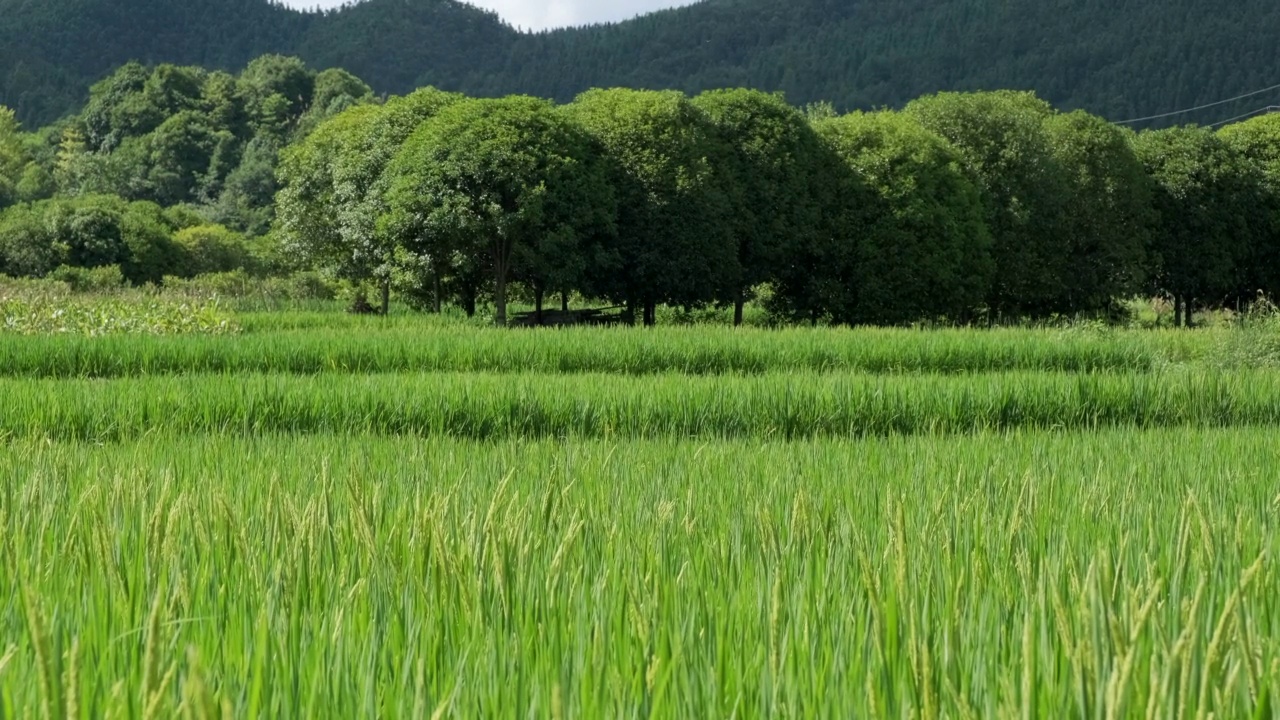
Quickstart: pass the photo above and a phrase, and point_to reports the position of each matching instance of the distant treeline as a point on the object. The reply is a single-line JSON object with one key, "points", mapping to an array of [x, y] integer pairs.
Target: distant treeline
{"points": [[959, 208]]}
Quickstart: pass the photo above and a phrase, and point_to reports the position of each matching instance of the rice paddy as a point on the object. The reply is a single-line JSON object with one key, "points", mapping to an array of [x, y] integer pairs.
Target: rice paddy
{"points": [[424, 520]]}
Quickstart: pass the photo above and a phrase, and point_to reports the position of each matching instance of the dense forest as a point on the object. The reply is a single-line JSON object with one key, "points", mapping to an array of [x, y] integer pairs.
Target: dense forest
{"points": [[958, 208], [1120, 60]]}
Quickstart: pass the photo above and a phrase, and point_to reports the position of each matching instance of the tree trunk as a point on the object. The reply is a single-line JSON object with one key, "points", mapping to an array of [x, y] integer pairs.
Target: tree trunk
{"points": [[537, 304], [469, 302], [564, 301], [500, 298], [437, 291], [650, 313], [386, 296], [1188, 313], [1177, 311], [738, 305]]}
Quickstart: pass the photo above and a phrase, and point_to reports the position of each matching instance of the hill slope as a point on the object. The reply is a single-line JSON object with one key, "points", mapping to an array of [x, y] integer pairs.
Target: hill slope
{"points": [[1114, 57]]}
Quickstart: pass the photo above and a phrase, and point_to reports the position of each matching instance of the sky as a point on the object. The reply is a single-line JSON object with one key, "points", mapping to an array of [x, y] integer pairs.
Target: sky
{"points": [[540, 14]]}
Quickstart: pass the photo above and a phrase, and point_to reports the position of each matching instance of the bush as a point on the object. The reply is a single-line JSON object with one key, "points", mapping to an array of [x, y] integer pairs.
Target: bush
{"points": [[86, 280], [210, 249]]}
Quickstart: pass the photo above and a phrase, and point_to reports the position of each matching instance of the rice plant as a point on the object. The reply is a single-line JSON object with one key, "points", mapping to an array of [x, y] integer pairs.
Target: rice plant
{"points": [[1102, 574], [407, 345], [494, 407]]}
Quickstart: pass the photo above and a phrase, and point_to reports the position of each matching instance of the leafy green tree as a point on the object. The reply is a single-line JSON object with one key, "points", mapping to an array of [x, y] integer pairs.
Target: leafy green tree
{"points": [[117, 110], [504, 180], [277, 91], [1004, 144], [1258, 142], [361, 183], [335, 90], [306, 206], [224, 102], [1203, 188], [171, 89], [28, 247], [925, 253], [181, 151], [36, 183], [148, 234], [675, 235], [88, 232], [89, 228], [773, 159], [13, 157], [246, 201], [1108, 211]]}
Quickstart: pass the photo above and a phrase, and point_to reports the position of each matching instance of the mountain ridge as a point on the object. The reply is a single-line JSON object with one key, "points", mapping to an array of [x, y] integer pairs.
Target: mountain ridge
{"points": [[1122, 58]]}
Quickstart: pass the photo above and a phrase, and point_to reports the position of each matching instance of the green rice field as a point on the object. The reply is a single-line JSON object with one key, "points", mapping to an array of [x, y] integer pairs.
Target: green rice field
{"points": [[319, 516]]}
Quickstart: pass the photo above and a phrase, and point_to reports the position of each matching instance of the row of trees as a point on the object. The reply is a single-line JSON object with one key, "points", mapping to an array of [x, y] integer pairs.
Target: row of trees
{"points": [[958, 207]]}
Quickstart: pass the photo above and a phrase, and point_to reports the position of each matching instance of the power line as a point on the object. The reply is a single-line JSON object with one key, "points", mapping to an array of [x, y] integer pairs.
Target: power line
{"points": [[1199, 107], [1259, 111]]}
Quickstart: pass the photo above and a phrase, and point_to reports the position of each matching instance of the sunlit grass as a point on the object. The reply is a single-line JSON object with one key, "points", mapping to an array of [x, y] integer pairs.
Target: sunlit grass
{"points": [[1113, 574]]}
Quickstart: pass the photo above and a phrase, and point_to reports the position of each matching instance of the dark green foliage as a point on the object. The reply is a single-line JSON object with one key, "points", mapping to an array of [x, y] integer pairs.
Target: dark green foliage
{"points": [[675, 238], [180, 135], [148, 235], [1204, 195], [1258, 141], [511, 184], [88, 232], [1108, 217], [925, 251], [1003, 143], [1120, 60], [773, 164]]}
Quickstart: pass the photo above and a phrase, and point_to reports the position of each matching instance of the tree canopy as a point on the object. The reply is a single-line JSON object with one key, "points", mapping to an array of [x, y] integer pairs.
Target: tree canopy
{"points": [[960, 208]]}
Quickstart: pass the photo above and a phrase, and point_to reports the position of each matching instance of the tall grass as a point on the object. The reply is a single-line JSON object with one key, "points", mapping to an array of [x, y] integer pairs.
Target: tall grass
{"points": [[379, 345], [1114, 574], [488, 407]]}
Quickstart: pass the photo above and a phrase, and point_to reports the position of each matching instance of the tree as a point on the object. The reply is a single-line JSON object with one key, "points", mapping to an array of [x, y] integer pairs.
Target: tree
{"points": [[116, 109], [1005, 147], [675, 240], [1107, 222], [1257, 141], [503, 180], [181, 151], [1202, 188], [277, 91], [13, 157], [335, 90], [148, 234], [925, 253], [306, 208], [246, 201], [28, 247], [772, 157], [361, 183], [90, 229]]}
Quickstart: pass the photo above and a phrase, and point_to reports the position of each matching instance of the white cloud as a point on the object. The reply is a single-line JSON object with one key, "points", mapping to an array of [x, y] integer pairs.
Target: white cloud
{"points": [[540, 14]]}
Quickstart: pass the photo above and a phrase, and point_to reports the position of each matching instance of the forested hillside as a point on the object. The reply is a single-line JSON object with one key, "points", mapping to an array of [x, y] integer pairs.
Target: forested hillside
{"points": [[1119, 58]]}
